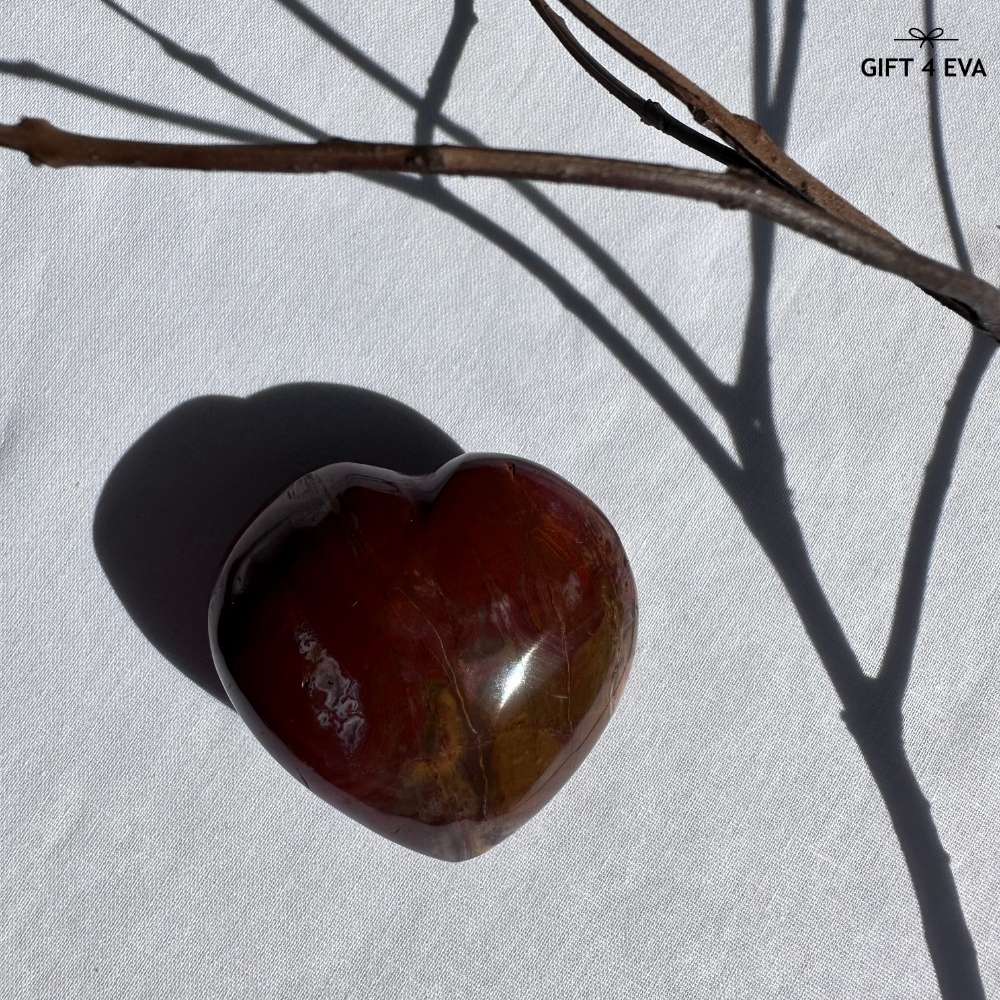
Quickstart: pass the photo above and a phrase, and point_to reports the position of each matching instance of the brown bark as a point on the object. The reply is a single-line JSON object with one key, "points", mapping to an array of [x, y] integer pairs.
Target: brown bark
{"points": [[975, 300]]}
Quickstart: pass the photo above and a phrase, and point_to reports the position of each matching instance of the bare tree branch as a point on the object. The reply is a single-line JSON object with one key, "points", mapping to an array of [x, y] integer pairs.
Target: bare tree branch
{"points": [[755, 148], [967, 295]]}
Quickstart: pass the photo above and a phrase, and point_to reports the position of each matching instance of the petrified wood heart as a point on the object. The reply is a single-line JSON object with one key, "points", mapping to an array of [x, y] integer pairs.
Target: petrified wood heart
{"points": [[434, 656]]}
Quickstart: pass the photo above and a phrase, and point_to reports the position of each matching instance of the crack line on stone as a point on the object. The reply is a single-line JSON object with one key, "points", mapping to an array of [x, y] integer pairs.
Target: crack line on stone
{"points": [[458, 693], [565, 651]]}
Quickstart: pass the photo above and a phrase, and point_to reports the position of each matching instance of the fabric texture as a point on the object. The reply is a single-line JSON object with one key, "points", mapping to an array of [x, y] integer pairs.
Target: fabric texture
{"points": [[725, 839]]}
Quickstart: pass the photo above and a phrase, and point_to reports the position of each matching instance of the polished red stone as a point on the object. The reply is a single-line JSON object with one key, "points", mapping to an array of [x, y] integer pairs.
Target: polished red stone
{"points": [[434, 656]]}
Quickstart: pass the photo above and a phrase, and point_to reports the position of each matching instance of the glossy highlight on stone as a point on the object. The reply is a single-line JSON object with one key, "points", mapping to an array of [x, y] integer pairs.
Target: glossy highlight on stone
{"points": [[433, 655]]}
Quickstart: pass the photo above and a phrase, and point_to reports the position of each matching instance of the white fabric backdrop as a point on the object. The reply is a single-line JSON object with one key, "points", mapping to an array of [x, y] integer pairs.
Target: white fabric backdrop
{"points": [[725, 838]]}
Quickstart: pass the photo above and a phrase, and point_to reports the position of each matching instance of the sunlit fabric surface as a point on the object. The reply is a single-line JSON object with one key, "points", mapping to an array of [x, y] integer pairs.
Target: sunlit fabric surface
{"points": [[726, 838]]}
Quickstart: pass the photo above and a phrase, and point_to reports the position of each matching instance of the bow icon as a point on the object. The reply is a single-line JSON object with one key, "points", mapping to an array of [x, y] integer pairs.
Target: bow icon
{"points": [[919, 35]]}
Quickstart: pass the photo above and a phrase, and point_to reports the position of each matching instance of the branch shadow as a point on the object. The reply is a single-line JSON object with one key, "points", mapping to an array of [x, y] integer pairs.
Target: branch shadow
{"points": [[897, 662], [873, 707]]}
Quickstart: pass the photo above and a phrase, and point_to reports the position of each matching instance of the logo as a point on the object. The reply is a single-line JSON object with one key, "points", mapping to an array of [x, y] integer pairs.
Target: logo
{"points": [[926, 61], [926, 37]]}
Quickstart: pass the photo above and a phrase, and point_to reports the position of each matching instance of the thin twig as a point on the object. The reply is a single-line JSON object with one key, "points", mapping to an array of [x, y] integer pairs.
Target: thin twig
{"points": [[650, 112], [975, 300], [743, 134]]}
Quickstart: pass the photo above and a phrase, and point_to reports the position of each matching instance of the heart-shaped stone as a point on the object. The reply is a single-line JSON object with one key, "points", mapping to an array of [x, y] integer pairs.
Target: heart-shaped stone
{"points": [[435, 655]]}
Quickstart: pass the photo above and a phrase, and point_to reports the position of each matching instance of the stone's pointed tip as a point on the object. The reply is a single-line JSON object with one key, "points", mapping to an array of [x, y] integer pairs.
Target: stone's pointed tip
{"points": [[456, 855]]}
